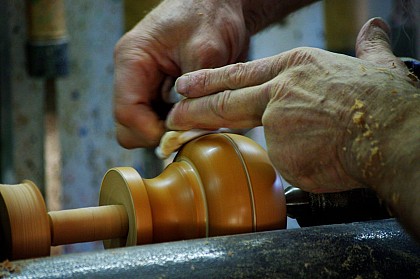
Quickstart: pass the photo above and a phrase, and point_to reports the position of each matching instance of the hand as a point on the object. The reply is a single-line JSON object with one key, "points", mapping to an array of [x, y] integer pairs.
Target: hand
{"points": [[323, 113], [176, 37]]}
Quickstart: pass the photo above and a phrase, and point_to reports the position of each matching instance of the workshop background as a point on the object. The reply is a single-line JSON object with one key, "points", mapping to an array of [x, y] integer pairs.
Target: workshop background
{"points": [[57, 127]]}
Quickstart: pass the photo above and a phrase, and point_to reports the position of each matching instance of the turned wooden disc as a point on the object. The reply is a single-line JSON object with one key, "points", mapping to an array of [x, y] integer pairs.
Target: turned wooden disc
{"points": [[267, 191], [240, 186], [124, 186], [25, 229]]}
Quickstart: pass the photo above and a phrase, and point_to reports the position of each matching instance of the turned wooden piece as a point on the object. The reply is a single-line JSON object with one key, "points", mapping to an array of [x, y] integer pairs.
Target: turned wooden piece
{"points": [[218, 184]]}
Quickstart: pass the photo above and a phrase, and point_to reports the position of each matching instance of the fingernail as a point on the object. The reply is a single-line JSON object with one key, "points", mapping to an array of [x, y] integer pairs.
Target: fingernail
{"points": [[182, 84], [379, 22]]}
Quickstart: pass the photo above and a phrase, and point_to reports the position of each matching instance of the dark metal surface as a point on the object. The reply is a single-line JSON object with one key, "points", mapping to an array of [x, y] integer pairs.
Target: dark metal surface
{"points": [[6, 136], [413, 65], [375, 249], [355, 205], [48, 59]]}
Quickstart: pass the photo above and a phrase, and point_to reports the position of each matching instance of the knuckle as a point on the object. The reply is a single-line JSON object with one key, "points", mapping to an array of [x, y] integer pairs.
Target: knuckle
{"points": [[121, 116], [301, 56], [123, 138], [235, 74], [121, 46], [201, 81], [209, 53], [220, 104], [179, 111], [124, 141], [118, 46]]}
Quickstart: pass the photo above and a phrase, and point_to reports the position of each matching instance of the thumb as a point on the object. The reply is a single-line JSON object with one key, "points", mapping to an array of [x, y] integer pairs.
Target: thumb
{"points": [[373, 44]]}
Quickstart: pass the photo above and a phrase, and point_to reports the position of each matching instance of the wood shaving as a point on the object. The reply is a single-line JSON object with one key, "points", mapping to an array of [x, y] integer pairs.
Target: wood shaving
{"points": [[7, 267], [413, 77], [374, 151], [357, 104], [368, 134], [358, 117]]}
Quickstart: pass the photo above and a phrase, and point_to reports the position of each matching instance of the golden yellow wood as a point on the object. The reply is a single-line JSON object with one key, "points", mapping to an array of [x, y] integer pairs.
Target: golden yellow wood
{"points": [[24, 222], [218, 184]]}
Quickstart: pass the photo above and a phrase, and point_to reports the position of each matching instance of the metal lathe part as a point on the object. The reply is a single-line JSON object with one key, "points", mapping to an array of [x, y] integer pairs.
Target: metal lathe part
{"points": [[48, 59], [374, 249], [356, 205]]}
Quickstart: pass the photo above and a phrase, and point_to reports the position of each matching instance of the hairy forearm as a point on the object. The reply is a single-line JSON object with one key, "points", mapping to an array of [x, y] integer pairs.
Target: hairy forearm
{"points": [[260, 14], [386, 152], [400, 185]]}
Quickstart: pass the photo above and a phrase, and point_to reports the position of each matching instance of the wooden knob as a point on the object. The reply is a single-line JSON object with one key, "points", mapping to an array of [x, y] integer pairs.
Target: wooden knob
{"points": [[218, 184], [24, 230], [28, 231]]}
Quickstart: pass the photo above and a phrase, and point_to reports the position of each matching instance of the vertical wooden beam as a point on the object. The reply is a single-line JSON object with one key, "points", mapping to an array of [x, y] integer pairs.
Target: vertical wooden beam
{"points": [[342, 24], [27, 104], [135, 10]]}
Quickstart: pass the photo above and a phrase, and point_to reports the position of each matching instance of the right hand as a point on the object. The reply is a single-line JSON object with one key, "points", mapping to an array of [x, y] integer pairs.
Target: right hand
{"points": [[327, 117], [178, 36]]}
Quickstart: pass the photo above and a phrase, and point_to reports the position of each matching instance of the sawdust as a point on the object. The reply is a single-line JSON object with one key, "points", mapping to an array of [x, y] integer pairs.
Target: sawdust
{"points": [[358, 117], [7, 267], [368, 134], [413, 77], [372, 151], [386, 71], [357, 104]]}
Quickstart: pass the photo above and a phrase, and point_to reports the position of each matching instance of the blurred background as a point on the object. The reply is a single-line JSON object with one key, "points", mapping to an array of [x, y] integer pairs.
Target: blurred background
{"points": [[56, 82]]}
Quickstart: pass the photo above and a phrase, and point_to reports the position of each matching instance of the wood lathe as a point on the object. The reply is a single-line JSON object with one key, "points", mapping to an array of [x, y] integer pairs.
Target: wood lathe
{"points": [[218, 184]]}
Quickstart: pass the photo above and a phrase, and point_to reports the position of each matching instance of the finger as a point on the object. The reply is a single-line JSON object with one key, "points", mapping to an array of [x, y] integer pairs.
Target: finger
{"points": [[137, 80], [240, 75], [373, 44], [142, 128], [235, 109]]}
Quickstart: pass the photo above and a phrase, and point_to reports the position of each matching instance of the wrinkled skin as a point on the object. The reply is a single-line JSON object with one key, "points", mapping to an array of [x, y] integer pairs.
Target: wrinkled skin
{"points": [[314, 105], [332, 122], [178, 36]]}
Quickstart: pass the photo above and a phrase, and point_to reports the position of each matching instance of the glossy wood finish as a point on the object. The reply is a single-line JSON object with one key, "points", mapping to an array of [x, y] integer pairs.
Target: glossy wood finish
{"points": [[25, 229], [218, 184]]}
